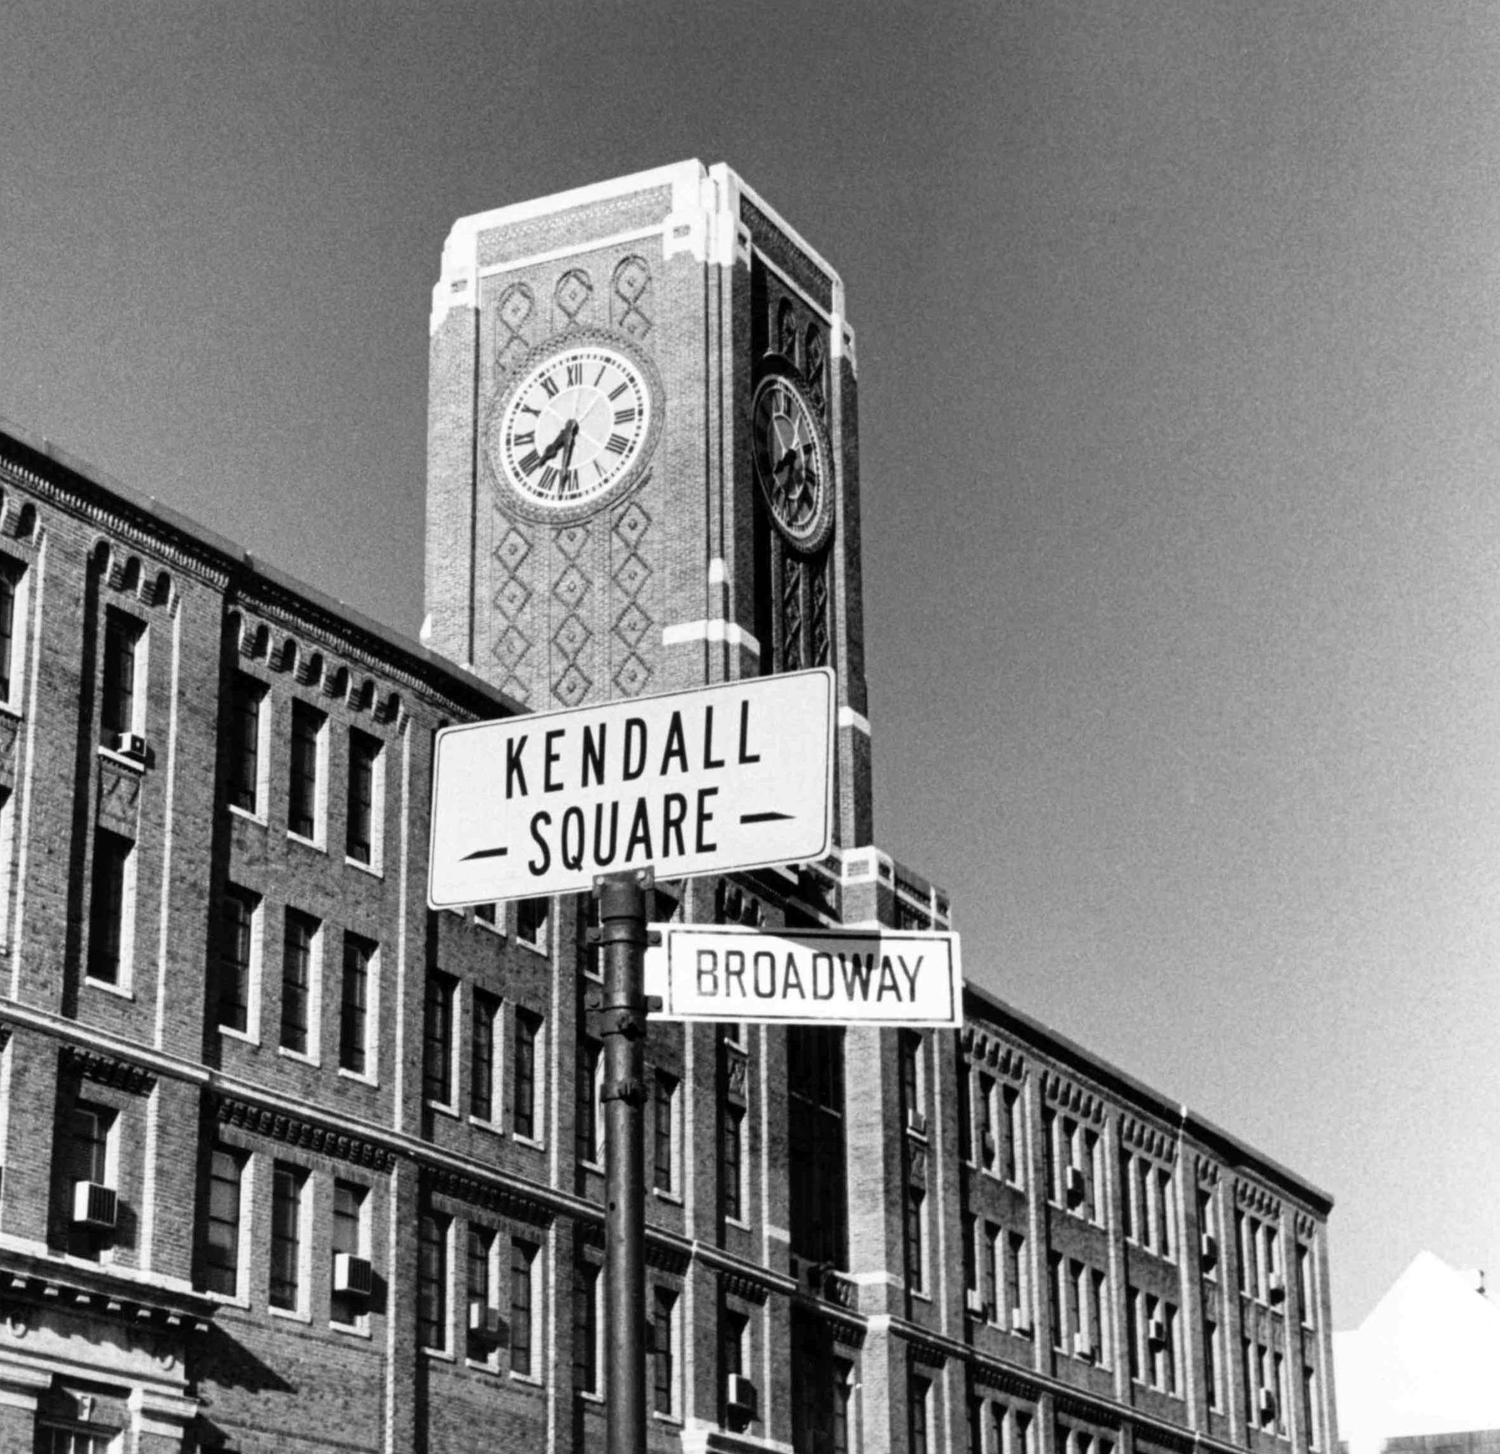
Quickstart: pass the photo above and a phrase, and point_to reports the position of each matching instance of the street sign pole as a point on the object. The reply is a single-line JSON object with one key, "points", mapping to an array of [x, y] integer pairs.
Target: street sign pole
{"points": [[622, 940]]}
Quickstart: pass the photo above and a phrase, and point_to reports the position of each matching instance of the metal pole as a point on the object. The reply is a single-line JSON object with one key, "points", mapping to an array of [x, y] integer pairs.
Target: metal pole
{"points": [[622, 941]]}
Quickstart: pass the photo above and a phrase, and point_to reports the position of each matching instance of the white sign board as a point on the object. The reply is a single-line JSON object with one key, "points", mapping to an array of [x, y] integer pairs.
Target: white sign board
{"points": [[807, 976], [733, 776]]}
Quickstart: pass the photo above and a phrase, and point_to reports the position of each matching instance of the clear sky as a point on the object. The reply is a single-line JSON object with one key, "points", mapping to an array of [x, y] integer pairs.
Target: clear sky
{"points": [[1177, 333]]}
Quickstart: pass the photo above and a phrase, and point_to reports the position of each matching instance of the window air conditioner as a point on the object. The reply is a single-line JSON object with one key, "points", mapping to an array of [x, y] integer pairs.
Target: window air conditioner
{"points": [[1076, 1187], [1156, 1331], [739, 1394], [1020, 1320], [353, 1275], [130, 744], [1083, 1345], [974, 1303], [95, 1206], [486, 1324], [1208, 1251], [1277, 1286], [916, 1122], [1267, 1406]]}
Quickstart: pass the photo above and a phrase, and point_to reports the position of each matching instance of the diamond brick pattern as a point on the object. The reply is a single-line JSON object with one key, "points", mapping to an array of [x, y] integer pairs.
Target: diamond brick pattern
{"points": [[631, 300], [572, 636], [516, 306], [511, 646], [571, 587], [632, 625], [513, 686], [513, 549], [571, 539], [632, 524], [573, 291], [632, 676], [513, 596], [571, 687], [632, 574]]}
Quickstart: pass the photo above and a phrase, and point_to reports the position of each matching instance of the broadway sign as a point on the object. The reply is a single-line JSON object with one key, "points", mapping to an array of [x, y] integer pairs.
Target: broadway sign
{"points": [[807, 976], [732, 776]]}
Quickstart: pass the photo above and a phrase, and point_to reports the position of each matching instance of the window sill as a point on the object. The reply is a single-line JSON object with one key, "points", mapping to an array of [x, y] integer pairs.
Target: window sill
{"points": [[529, 944], [372, 870], [674, 1420], [443, 1107], [110, 989], [531, 1141], [349, 1330], [224, 1299], [358, 1075], [594, 1166], [302, 1056], [527, 1378], [135, 764], [671, 1197], [493, 1127], [590, 1397], [9, 709], [916, 1292], [291, 1315], [497, 928], [235, 811], [737, 1222], [243, 1036], [441, 1354], [311, 843]]}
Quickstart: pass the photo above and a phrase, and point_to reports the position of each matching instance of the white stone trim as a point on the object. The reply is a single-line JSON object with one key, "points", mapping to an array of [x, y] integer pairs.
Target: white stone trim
{"points": [[685, 632], [556, 254], [731, 179], [848, 717], [718, 572]]}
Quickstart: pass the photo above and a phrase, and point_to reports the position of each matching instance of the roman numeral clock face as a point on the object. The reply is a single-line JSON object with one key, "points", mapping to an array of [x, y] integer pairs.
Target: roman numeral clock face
{"points": [[575, 430]]}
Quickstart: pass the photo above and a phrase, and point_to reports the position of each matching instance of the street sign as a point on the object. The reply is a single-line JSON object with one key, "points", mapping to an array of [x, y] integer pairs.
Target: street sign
{"points": [[733, 776], [807, 976]]}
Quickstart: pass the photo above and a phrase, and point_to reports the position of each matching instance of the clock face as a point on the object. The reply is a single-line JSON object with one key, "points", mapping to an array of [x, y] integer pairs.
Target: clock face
{"points": [[574, 430], [792, 461]]}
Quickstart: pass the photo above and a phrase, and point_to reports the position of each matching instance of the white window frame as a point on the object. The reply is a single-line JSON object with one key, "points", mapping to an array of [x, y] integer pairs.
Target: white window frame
{"points": [[361, 1323], [672, 1192], [537, 1264], [301, 1313], [125, 980], [376, 865], [313, 1054], [20, 636], [319, 839], [264, 707], [491, 1361], [250, 1035]]}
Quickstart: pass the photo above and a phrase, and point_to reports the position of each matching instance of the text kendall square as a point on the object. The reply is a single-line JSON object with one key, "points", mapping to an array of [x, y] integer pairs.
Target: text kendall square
{"points": [[733, 776]]}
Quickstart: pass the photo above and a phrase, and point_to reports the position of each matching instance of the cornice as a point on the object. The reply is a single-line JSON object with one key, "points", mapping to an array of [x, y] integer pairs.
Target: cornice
{"points": [[304, 1134]]}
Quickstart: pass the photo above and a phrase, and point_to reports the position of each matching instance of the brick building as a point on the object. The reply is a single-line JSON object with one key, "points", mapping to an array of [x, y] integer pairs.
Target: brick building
{"points": [[291, 1162]]}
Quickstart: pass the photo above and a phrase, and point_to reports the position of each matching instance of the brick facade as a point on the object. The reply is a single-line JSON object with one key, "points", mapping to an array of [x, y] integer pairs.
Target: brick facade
{"points": [[339, 1183]]}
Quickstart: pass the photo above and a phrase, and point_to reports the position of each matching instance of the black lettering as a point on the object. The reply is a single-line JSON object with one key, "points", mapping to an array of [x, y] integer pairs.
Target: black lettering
{"points": [[705, 818], [793, 976], [887, 976], [549, 386], [551, 758], [635, 737], [514, 767], [538, 822], [745, 754], [575, 374], [674, 810], [709, 760], [676, 745], [827, 964], [859, 978], [572, 827], [709, 972], [734, 969], [911, 974], [602, 859], [593, 753], [640, 832], [617, 444], [617, 391], [770, 959]]}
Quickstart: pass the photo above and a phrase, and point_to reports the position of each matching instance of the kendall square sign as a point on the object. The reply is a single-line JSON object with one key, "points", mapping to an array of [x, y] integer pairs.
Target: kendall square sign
{"points": [[733, 776], [807, 976]]}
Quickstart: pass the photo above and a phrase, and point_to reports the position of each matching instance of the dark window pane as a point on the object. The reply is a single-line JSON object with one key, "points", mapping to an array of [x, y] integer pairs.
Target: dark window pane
{"points": [[666, 1090], [523, 1110], [482, 1056], [286, 1235], [244, 741], [363, 750], [221, 1231], [10, 575], [117, 712], [354, 1004], [437, 1040], [302, 802], [585, 1120], [733, 1127], [664, 1301], [296, 980], [586, 1327], [522, 1260], [348, 1203], [107, 914], [234, 959], [432, 1281]]}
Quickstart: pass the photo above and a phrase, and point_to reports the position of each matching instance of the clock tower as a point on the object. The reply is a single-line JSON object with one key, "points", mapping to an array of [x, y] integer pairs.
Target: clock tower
{"points": [[642, 452]]}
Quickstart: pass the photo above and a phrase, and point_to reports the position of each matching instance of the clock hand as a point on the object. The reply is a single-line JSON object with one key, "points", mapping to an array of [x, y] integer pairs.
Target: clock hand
{"points": [[570, 430], [557, 443]]}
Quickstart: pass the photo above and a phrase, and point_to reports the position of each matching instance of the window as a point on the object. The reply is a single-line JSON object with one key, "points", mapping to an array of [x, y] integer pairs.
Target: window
{"points": [[909, 1048], [247, 698], [1310, 1407], [965, 1114], [586, 1113], [1211, 1361], [915, 1255], [1127, 1197], [57, 1439], [586, 1327], [987, 1122], [288, 1184], [971, 1252], [354, 1005], [112, 910], [12, 629], [1305, 1283], [1050, 1133], [237, 956], [523, 1306], [663, 1349], [733, 1155], [350, 1235], [7, 851], [120, 711], [432, 1281], [1166, 1213], [921, 1391], [1093, 1149], [221, 1226], [989, 1269], [664, 1131], [732, 1342], [485, 914], [1017, 1280], [819, 1198], [1133, 1330], [1014, 1135], [298, 999], [365, 807], [1098, 1324], [523, 1070], [307, 749], [531, 922], [481, 1282], [92, 1157], [437, 1040], [1058, 1287], [482, 1043]]}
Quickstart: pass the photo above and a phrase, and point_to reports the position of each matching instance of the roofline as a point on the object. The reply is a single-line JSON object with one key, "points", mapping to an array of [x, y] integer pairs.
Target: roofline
{"points": [[1187, 1121], [238, 563]]}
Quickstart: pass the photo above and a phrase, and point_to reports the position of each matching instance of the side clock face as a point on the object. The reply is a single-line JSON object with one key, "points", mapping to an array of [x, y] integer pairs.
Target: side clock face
{"points": [[792, 461], [574, 429]]}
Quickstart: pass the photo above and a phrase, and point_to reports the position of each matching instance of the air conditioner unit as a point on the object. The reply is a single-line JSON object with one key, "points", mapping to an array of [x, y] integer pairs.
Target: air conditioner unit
{"points": [[1276, 1283], [1208, 1251], [739, 1394], [1156, 1331], [95, 1206], [1267, 1406], [129, 744], [1076, 1185], [353, 1275], [1020, 1320], [1083, 1345], [916, 1122], [486, 1324], [974, 1303]]}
